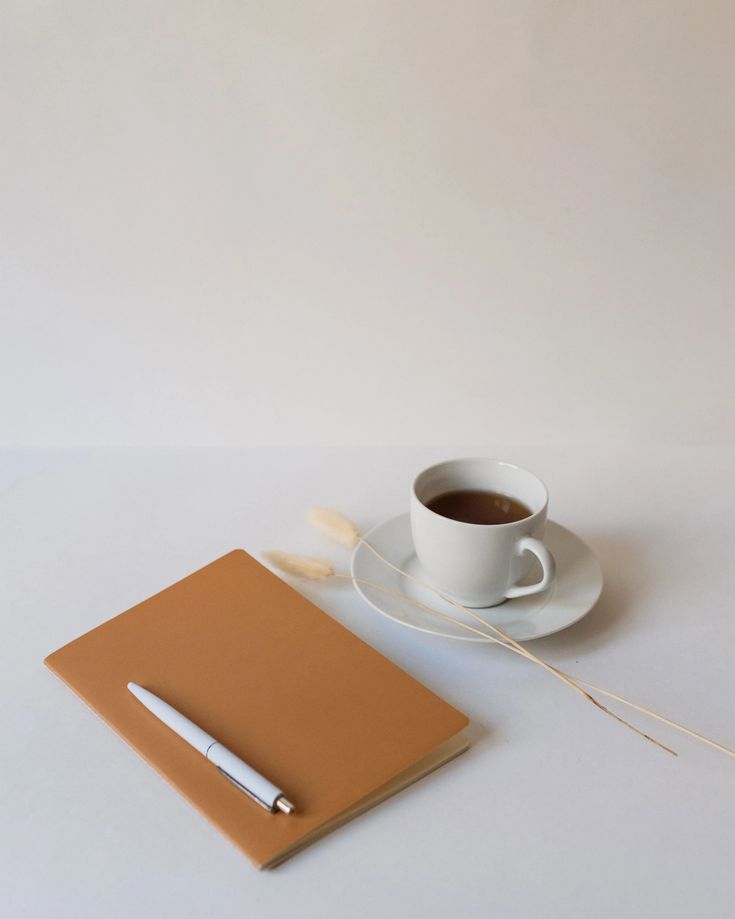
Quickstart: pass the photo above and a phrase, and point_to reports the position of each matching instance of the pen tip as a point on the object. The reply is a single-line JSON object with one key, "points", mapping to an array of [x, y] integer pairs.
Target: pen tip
{"points": [[284, 805]]}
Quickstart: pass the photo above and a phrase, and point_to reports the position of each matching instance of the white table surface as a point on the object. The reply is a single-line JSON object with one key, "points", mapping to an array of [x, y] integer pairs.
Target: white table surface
{"points": [[555, 810]]}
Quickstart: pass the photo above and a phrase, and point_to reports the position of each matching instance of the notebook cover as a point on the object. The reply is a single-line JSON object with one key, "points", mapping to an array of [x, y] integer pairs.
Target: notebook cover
{"points": [[287, 688]]}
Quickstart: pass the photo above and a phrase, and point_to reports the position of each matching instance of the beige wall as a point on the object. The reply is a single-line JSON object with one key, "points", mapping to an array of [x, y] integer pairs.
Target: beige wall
{"points": [[336, 222]]}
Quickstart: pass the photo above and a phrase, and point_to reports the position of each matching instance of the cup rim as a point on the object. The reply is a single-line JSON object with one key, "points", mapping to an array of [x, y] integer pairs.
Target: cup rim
{"points": [[484, 459]]}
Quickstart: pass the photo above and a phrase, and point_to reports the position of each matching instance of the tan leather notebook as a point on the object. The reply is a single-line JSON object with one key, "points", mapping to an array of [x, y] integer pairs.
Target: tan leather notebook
{"points": [[321, 714]]}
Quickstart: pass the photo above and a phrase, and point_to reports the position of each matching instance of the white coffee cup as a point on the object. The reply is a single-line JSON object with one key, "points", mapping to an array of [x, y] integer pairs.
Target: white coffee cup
{"points": [[475, 563]]}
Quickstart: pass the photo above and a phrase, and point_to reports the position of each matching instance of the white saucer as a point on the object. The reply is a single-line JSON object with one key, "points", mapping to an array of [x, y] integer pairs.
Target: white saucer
{"points": [[576, 589]]}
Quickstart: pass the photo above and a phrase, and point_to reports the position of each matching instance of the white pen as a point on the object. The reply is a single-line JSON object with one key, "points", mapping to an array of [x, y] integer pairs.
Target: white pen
{"points": [[232, 767]]}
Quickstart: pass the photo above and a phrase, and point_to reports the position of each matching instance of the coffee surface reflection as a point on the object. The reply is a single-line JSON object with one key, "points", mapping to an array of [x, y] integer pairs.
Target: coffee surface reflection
{"points": [[472, 505]]}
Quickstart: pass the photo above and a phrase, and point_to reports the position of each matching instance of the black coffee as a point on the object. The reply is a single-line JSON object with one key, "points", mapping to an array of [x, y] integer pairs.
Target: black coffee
{"points": [[472, 505]]}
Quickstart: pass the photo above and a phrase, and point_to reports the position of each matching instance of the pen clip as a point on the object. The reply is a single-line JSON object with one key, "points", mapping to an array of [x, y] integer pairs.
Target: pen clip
{"points": [[247, 791]]}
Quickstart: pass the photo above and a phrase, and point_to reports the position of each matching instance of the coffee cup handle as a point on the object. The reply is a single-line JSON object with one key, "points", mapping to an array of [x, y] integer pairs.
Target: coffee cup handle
{"points": [[529, 544]]}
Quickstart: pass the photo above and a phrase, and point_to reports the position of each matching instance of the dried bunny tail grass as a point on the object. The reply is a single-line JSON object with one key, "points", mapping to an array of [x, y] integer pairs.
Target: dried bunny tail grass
{"points": [[524, 653], [336, 526], [300, 566], [317, 569], [512, 644]]}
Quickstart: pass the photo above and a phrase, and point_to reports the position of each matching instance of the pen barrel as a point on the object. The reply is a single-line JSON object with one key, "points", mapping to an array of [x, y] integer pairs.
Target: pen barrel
{"points": [[173, 719], [251, 781]]}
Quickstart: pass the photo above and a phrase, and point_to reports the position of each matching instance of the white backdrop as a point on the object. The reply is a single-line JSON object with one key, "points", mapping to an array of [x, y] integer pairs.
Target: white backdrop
{"points": [[397, 222]]}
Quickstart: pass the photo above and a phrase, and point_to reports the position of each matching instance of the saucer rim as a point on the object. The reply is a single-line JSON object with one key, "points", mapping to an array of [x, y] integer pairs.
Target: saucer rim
{"points": [[429, 631]]}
